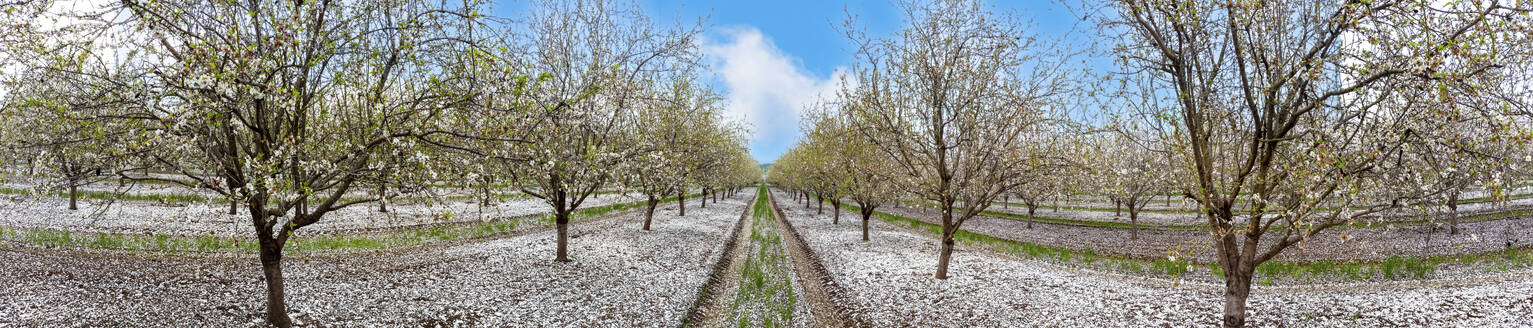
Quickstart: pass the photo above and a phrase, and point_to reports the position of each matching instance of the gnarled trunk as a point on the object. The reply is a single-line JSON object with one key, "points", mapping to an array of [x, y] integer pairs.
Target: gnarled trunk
{"points": [[1239, 263], [1237, 288], [271, 266], [649, 211], [819, 202], [681, 204]]}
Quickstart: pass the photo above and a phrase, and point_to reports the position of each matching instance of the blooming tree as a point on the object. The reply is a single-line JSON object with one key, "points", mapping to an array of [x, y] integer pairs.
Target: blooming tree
{"points": [[950, 99], [283, 107], [1300, 111]]}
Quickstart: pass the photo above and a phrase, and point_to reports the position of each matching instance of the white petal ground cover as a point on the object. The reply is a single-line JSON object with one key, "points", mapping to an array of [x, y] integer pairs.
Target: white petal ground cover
{"points": [[620, 276], [891, 279], [139, 217], [1184, 215], [1342, 243]]}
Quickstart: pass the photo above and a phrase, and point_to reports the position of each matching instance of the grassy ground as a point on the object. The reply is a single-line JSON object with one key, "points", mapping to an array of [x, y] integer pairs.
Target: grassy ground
{"points": [[765, 297], [1397, 267], [49, 238]]}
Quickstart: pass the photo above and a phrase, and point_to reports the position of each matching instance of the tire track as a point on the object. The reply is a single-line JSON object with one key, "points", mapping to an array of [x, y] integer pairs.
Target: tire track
{"points": [[825, 296], [709, 308]]}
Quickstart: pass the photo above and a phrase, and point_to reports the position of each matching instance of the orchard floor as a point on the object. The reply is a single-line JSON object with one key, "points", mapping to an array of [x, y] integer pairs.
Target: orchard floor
{"points": [[890, 279], [620, 276], [623, 277], [1341, 243]]}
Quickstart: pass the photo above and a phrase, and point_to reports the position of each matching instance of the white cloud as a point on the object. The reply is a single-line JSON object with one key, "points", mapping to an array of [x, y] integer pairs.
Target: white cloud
{"points": [[766, 87]]}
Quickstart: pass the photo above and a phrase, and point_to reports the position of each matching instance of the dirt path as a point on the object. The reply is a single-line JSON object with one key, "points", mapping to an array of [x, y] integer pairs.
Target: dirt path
{"points": [[825, 297], [710, 309]]}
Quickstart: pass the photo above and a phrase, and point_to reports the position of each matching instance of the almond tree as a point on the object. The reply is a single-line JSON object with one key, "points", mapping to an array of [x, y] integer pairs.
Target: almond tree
{"points": [[1132, 171], [681, 127], [591, 61], [949, 99], [283, 107], [1298, 110], [56, 124], [1056, 152], [854, 167]]}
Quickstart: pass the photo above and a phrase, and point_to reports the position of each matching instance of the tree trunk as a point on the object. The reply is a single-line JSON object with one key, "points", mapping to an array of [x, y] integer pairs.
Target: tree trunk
{"points": [[649, 212], [1237, 288], [947, 252], [867, 212], [383, 204], [1006, 202], [233, 204], [1133, 219], [681, 203], [702, 200], [271, 265], [562, 220], [74, 196], [1117, 207], [819, 202], [835, 206], [1453, 213], [1056, 204], [1030, 208]]}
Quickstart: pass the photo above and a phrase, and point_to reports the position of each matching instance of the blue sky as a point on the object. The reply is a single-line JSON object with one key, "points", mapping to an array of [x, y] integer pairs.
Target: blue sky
{"points": [[769, 58]]}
